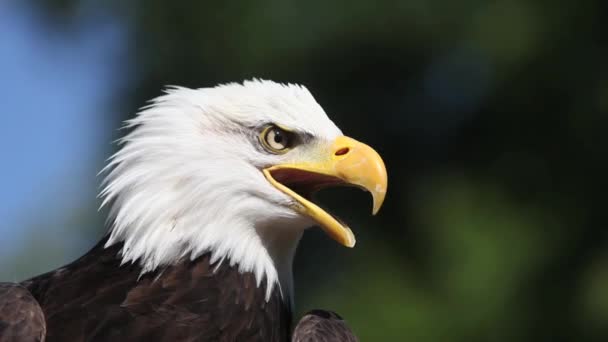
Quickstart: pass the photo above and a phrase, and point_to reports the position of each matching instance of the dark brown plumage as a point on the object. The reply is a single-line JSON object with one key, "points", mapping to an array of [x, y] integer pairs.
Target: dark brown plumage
{"points": [[21, 318], [96, 299], [322, 326]]}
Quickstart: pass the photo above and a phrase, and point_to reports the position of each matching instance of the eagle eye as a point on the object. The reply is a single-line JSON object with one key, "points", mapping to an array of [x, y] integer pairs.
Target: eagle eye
{"points": [[276, 139]]}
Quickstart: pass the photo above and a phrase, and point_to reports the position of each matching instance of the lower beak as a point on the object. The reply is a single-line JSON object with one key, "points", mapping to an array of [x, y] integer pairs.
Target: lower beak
{"points": [[345, 162]]}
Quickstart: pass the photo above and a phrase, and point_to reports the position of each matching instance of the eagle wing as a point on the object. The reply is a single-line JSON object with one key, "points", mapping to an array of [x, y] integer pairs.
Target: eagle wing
{"points": [[322, 326], [21, 317]]}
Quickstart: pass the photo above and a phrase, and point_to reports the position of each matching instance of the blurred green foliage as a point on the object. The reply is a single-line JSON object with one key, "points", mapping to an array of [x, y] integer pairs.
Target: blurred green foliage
{"points": [[491, 120]]}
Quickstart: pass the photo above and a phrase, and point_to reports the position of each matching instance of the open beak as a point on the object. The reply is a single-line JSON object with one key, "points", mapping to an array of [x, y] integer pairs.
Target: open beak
{"points": [[345, 162]]}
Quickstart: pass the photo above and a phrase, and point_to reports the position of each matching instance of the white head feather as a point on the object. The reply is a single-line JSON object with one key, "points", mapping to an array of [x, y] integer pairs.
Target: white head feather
{"points": [[187, 179]]}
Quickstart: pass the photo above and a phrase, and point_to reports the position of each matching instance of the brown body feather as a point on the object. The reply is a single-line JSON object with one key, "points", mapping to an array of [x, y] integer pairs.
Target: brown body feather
{"points": [[323, 326], [21, 318], [96, 299]]}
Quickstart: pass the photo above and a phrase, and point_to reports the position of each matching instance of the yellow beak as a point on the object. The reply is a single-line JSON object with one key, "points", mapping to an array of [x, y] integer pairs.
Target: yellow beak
{"points": [[345, 162]]}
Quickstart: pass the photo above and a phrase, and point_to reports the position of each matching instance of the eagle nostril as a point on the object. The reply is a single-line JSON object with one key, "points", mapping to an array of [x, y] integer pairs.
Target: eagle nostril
{"points": [[342, 151]]}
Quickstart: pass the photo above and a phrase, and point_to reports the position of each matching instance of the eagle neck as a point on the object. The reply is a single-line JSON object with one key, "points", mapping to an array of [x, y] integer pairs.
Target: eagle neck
{"points": [[281, 245]]}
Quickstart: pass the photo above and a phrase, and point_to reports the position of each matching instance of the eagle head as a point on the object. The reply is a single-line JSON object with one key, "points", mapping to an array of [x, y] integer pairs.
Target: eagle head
{"points": [[230, 171]]}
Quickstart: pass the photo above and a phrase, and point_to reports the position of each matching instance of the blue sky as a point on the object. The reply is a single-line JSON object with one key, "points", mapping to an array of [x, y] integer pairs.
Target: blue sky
{"points": [[55, 88]]}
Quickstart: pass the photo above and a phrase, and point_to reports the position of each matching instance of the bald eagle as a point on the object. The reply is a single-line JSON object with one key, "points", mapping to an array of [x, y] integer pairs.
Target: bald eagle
{"points": [[208, 197]]}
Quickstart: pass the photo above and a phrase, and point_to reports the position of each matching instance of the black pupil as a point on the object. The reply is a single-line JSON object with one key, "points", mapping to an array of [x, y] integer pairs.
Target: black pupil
{"points": [[278, 136]]}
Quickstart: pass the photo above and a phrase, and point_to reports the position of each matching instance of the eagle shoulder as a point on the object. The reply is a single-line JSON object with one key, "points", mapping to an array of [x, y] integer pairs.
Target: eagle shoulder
{"points": [[322, 326], [21, 317]]}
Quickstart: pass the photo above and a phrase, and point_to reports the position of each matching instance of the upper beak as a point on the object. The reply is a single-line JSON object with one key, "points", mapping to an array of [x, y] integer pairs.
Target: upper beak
{"points": [[345, 162]]}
